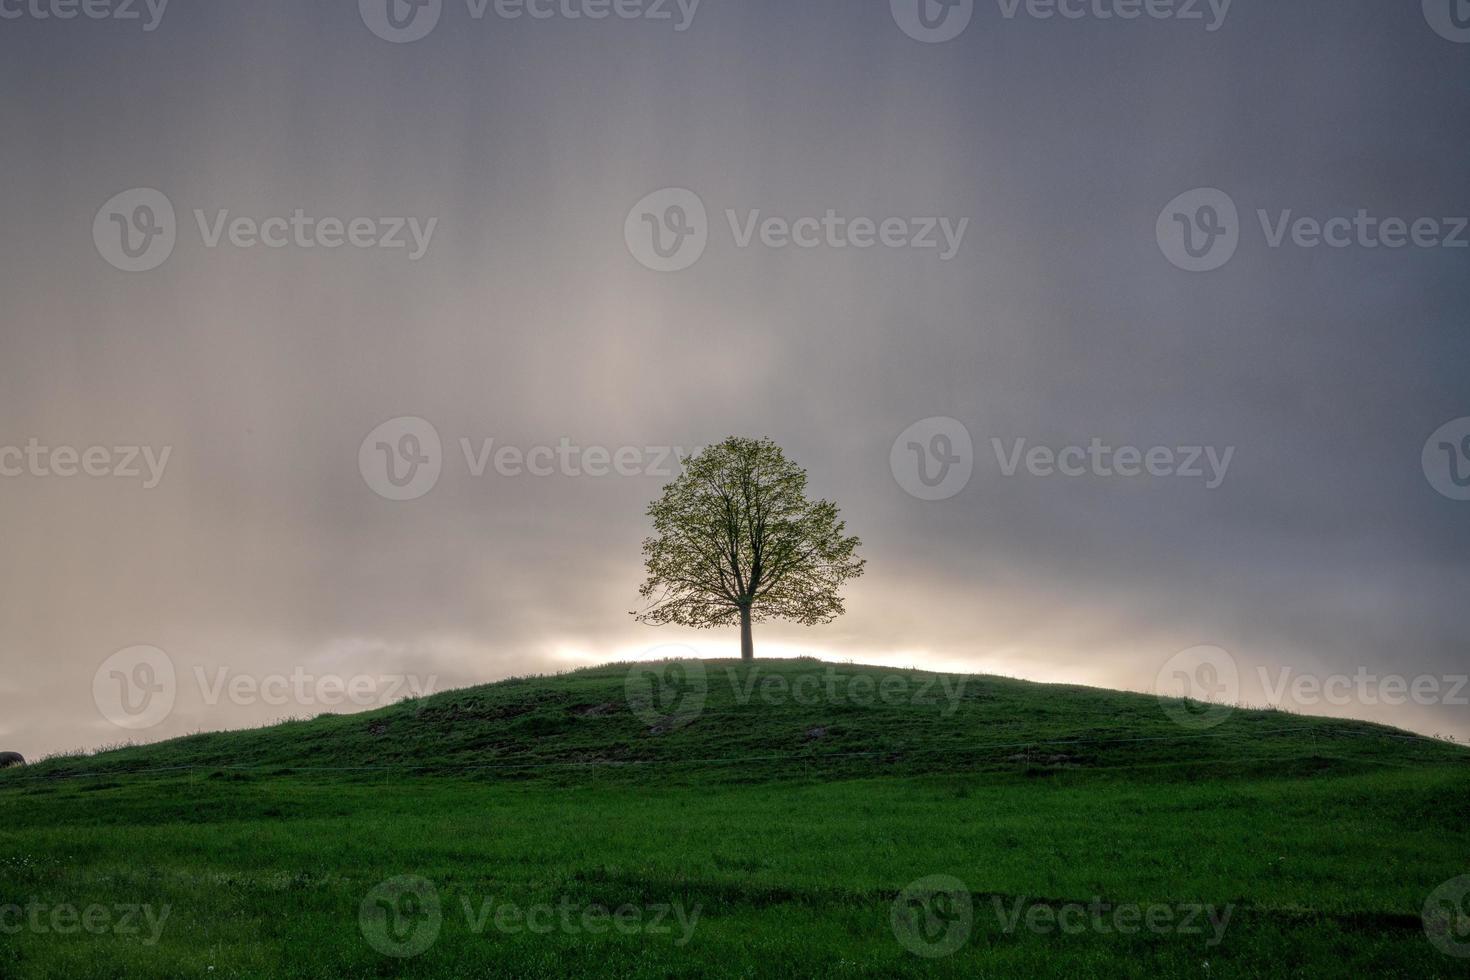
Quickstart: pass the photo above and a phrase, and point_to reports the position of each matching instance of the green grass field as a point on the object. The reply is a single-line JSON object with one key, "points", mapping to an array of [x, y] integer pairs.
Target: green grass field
{"points": [[817, 824]]}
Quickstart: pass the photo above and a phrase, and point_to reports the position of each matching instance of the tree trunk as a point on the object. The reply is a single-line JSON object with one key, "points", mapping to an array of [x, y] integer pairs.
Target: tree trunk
{"points": [[747, 648]]}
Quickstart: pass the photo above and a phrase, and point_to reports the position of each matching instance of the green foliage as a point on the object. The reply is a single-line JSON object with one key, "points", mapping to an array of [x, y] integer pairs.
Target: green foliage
{"points": [[735, 531]]}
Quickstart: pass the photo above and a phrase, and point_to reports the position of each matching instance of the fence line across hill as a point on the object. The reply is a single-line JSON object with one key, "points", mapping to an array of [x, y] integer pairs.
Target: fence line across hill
{"points": [[282, 770]]}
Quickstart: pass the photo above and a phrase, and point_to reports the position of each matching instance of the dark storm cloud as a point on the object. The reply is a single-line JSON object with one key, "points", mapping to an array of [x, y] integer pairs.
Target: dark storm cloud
{"points": [[527, 320]]}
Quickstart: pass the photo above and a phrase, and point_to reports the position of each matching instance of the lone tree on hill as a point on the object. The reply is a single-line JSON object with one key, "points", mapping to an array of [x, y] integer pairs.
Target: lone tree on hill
{"points": [[736, 540]]}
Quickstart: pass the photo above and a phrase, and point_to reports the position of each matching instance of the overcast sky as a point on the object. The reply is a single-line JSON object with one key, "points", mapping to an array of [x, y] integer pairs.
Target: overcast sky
{"points": [[1044, 159]]}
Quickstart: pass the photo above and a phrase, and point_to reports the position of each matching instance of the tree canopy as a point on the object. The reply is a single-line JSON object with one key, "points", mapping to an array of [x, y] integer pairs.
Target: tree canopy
{"points": [[737, 541]]}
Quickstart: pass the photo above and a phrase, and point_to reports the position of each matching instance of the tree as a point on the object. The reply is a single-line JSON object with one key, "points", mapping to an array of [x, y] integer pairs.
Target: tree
{"points": [[736, 540]]}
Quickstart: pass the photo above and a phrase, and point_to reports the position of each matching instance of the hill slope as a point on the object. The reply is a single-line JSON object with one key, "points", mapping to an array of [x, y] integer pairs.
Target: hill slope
{"points": [[777, 718], [791, 819]]}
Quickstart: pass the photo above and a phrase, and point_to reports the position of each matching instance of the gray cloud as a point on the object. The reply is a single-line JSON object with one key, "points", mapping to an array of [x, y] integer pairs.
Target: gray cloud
{"points": [[528, 321]]}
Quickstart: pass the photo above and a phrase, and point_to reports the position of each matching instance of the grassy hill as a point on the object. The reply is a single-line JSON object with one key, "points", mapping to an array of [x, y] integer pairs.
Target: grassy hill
{"points": [[783, 719], [793, 819]]}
